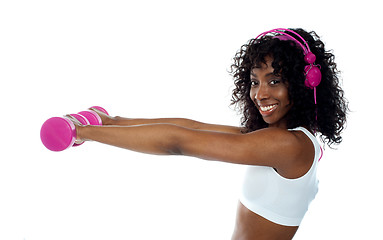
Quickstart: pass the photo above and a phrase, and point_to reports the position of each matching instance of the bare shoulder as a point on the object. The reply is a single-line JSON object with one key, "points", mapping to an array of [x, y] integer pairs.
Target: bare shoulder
{"points": [[290, 152], [280, 138], [298, 152]]}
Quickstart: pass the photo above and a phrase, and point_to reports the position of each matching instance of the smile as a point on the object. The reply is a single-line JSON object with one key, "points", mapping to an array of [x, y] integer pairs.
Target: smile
{"points": [[266, 110]]}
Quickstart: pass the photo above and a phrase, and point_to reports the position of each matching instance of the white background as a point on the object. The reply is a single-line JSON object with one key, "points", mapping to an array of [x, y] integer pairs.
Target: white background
{"points": [[167, 59]]}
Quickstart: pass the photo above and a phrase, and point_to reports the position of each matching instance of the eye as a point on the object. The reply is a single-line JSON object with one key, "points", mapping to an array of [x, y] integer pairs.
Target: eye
{"points": [[254, 83], [275, 81]]}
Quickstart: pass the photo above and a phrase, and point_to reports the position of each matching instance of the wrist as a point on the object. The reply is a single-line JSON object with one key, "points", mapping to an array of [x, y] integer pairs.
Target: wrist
{"points": [[109, 120], [122, 121], [80, 135]]}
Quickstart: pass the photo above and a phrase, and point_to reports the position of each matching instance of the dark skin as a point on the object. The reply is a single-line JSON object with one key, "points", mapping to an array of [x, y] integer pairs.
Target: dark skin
{"points": [[290, 153]]}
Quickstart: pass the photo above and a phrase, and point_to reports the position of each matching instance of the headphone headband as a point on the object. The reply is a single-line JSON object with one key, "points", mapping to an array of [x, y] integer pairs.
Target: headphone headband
{"points": [[280, 31]]}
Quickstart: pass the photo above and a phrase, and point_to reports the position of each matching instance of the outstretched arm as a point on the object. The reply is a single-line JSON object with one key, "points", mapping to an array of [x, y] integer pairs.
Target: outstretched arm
{"points": [[182, 122], [268, 147]]}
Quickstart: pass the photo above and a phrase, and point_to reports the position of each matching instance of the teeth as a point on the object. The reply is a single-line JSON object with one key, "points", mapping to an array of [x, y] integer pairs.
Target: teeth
{"points": [[267, 108]]}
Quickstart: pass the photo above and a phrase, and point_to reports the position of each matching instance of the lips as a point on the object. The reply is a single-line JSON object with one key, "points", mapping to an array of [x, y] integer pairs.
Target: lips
{"points": [[266, 110]]}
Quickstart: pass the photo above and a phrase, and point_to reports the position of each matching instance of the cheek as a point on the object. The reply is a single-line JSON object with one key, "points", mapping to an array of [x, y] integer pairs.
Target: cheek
{"points": [[283, 95], [252, 93]]}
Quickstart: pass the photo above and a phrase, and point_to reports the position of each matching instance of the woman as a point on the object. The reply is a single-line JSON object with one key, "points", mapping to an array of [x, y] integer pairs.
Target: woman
{"points": [[281, 110]]}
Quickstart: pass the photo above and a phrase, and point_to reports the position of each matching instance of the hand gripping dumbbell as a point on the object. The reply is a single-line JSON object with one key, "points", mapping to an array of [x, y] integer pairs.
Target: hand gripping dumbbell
{"points": [[59, 133]]}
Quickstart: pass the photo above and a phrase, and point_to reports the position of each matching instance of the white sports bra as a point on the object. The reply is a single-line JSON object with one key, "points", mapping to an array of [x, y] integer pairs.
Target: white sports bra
{"points": [[278, 199]]}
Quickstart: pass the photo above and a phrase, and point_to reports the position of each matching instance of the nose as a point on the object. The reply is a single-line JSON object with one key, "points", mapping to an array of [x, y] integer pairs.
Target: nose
{"points": [[261, 92]]}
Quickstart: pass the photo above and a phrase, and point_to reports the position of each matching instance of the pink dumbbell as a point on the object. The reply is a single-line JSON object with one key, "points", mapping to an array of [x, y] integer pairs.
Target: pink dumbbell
{"points": [[92, 116], [59, 133]]}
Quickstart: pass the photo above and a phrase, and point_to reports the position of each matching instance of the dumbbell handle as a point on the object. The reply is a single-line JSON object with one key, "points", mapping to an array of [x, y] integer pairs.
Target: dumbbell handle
{"points": [[92, 116]]}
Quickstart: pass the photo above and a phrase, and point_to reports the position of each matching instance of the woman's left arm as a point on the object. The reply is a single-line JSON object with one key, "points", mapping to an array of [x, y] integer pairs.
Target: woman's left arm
{"points": [[266, 147]]}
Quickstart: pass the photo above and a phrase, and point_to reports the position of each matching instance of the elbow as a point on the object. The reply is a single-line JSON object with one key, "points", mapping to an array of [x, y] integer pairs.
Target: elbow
{"points": [[174, 151], [174, 144], [180, 141]]}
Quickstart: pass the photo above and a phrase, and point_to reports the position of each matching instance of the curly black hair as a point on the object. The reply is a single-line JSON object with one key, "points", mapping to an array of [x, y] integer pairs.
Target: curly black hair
{"points": [[327, 117]]}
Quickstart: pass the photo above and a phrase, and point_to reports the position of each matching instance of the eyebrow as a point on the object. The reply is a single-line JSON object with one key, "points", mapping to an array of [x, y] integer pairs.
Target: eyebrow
{"points": [[267, 75]]}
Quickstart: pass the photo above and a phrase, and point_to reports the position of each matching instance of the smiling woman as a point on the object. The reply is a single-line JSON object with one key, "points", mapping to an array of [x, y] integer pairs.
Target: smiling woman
{"points": [[278, 84], [281, 114]]}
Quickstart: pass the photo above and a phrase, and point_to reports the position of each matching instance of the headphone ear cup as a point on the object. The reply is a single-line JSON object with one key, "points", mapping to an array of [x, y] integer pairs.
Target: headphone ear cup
{"points": [[313, 76], [310, 58]]}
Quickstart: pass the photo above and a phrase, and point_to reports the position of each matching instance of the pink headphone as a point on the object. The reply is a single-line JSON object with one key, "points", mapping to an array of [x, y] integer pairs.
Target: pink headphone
{"points": [[312, 71]]}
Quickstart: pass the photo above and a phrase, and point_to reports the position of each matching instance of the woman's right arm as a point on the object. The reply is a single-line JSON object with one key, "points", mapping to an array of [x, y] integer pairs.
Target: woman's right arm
{"points": [[182, 122]]}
